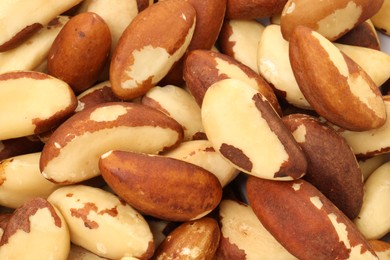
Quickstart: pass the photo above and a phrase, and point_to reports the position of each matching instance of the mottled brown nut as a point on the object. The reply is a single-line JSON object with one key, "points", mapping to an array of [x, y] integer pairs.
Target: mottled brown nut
{"points": [[19, 146], [203, 68], [4, 218], [332, 19], [33, 103], [240, 39], [196, 239], [363, 35], [332, 167], [102, 223], [244, 237], [335, 86], [38, 226], [21, 180], [381, 19], [162, 187], [72, 152], [305, 222], [143, 45], [24, 18], [86, 41], [381, 248], [252, 9], [244, 128]]}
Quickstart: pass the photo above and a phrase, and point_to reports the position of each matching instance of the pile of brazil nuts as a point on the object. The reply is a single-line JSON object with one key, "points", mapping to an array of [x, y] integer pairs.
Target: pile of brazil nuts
{"points": [[192, 129]]}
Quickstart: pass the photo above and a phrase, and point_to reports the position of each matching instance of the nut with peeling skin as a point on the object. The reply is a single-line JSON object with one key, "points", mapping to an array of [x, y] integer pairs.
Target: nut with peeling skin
{"points": [[244, 128], [335, 86], [155, 39], [159, 186], [49, 102], [305, 222], [103, 223], [72, 152], [39, 227]]}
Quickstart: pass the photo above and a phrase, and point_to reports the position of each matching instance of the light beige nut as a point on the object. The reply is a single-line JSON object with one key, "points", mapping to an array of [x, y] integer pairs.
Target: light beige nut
{"points": [[24, 18], [31, 53], [49, 102], [373, 220], [79, 253], [372, 142], [369, 165], [203, 68], [381, 19], [329, 18], [103, 223], [19, 146], [332, 166], [39, 228], [363, 35], [178, 104], [160, 186], [274, 65], [240, 39], [202, 153], [244, 128], [244, 237], [335, 86], [196, 240], [305, 222], [72, 152], [86, 41], [21, 180], [252, 9], [143, 45]]}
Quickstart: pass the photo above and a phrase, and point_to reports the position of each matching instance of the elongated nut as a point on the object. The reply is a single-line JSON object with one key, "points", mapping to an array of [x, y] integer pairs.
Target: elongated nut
{"points": [[335, 86], [72, 152], [363, 35], [162, 187], [373, 220], [21, 180], [143, 45], [92, 214], [197, 239], [305, 222], [244, 237], [244, 128], [252, 9], [49, 102], [332, 19], [381, 18], [332, 167], [86, 41], [38, 226], [23, 18]]}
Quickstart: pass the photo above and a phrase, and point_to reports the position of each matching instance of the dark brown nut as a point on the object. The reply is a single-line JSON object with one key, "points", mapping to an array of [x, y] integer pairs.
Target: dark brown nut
{"points": [[335, 86], [24, 18], [86, 41], [49, 102], [203, 68], [38, 226], [143, 45], [305, 222], [244, 237], [196, 239], [332, 167], [252, 9], [240, 39], [21, 180], [72, 152], [332, 19], [19, 146], [31, 53], [100, 93], [161, 187], [363, 35], [244, 128]]}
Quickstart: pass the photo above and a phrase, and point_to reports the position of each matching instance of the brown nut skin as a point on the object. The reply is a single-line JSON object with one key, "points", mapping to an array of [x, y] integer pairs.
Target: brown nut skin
{"points": [[17, 146], [85, 40], [162, 187], [201, 71], [332, 167], [363, 35], [304, 221], [197, 239], [336, 87], [332, 19], [252, 9]]}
